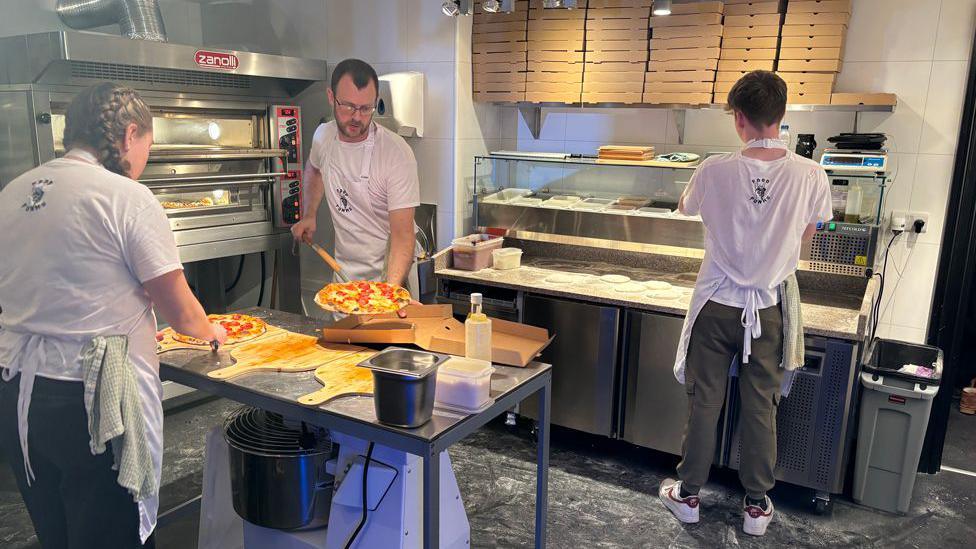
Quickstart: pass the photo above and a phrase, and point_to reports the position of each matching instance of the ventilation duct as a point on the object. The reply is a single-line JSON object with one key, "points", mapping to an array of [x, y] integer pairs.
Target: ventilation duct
{"points": [[137, 19]]}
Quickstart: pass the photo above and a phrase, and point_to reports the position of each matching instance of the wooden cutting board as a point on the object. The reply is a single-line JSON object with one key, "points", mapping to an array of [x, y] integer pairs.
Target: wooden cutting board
{"points": [[341, 377], [170, 344], [286, 352]]}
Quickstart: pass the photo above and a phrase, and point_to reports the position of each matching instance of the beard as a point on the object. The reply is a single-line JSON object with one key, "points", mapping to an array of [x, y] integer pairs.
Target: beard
{"points": [[353, 130]]}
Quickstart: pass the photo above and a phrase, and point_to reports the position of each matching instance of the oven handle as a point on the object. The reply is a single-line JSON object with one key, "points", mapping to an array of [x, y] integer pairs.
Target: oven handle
{"points": [[172, 156], [230, 178]]}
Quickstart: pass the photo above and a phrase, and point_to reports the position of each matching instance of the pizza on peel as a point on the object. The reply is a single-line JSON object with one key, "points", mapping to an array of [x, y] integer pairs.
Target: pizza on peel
{"points": [[239, 328], [362, 298]]}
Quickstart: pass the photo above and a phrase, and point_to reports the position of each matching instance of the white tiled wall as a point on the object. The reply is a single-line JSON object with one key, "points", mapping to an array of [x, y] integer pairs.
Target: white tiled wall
{"points": [[918, 49]]}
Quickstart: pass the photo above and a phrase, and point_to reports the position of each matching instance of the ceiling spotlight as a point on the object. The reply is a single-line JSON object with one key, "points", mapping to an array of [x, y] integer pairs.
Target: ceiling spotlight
{"points": [[662, 7], [495, 6], [566, 4], [453, 8]]}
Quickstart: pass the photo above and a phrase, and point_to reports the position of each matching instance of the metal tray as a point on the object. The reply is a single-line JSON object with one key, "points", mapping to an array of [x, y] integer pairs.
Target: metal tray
{"points": [[404, 362]]}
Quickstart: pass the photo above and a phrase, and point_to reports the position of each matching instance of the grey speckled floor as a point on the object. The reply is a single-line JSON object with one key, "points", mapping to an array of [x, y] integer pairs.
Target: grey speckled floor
{"points": [[602, 494]]}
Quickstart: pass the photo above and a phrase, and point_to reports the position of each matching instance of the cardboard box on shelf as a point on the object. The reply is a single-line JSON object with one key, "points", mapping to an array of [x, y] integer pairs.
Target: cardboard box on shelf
{"points": [[812, 41], [555, 87], [623, 86], [564, 72], [819, 6], [810, 87], [720, 98], [568, 98], [679, 76], [629, 98], [686, 20], [753, 8], [729, 76], [863, 99], [810, 53], [434, 328], [814, 30], [684, 65], [723, 86], [503, 37], [637, 56], [500, 47], [679, 87], [664, 98], [829, 18], [567, 25], [568, 79], [688, 8], [487, 28], [687, 31], [611, 70], [686, 53], [688, 42], [730, 2], [808, 99], [568, 57], [631, 46], [620, 3], [498, 67], [498, 97], [809, 65], [499, 57], [807, 77], [513, 87], [760, 20], [595, 14], [761, 31], [745, 65], [750, 42], [537, 11], [599, 35], [748, 54]]}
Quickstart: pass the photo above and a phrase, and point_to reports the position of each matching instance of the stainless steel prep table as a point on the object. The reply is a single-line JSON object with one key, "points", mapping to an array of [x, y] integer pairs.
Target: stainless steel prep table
{"points": [[354, 415]]}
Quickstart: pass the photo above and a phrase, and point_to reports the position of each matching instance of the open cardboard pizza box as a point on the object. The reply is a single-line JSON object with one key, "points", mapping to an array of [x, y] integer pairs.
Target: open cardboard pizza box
{"points": [[433, 327]]}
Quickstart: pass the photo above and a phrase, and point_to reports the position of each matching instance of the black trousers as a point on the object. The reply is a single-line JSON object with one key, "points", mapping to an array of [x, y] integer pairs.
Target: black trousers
{"points": [[74, 501]]}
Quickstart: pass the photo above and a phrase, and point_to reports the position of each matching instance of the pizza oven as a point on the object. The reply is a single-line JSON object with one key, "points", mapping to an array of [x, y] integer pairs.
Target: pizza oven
{"points": [[228, 129]]}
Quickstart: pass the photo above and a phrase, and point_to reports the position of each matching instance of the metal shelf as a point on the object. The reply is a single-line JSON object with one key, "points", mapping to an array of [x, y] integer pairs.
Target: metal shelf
{"points": [[587, 161], [532, 112]]}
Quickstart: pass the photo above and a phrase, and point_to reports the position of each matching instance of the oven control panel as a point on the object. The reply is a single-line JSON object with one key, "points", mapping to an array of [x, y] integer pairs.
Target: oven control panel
{"points": [[286, 134]]}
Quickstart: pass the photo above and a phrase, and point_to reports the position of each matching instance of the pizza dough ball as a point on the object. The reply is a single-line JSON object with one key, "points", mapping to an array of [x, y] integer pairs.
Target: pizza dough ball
{"points": [[615, 279], [657, 285], [630, 288]]}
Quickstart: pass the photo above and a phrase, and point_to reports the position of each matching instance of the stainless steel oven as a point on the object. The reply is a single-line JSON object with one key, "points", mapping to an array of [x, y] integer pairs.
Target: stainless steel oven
{"points": [[229, 137]]}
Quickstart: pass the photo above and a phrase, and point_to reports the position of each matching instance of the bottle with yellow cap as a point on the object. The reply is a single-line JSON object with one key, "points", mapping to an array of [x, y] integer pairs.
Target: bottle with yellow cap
{"points": [[477, 331]]}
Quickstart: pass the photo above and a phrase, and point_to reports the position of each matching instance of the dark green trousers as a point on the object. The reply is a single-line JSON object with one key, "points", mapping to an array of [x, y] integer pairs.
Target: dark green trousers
{"points": [[716, 338]]}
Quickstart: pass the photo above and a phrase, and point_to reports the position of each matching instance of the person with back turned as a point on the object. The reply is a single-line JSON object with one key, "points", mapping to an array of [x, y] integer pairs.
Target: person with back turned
{"points": [[758, 205]]}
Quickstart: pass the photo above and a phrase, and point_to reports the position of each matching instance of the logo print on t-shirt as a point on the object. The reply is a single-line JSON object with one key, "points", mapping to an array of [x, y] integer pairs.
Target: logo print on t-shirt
{"points": [[344, 206], [760, 192], [36, 199]]}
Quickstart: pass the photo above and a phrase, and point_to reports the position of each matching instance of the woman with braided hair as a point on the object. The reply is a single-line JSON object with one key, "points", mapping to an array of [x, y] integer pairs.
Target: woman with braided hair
{"points": [[95, 256]]}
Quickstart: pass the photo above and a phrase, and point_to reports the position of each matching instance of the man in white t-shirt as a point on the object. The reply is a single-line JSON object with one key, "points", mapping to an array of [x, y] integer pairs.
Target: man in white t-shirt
{"points": [[368, 176], [757, 205]]}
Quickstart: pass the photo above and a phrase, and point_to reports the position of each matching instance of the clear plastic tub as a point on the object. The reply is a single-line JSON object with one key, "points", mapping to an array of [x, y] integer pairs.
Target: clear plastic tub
{"points": [[464, 384], [507, 195], [473, 252], [506, 259]]}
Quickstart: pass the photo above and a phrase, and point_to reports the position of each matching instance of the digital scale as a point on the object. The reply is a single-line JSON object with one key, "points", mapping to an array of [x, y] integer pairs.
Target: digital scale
{"points": [[842, 160]]}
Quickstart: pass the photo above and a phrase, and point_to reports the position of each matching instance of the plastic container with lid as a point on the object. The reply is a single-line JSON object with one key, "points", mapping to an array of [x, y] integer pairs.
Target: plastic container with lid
{"points": [[505, 259], [473, 252], [464, 385]]}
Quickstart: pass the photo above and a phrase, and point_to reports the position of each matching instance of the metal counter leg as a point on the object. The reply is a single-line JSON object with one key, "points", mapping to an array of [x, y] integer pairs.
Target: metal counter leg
{"points": [[432, 500], [542, 468]]}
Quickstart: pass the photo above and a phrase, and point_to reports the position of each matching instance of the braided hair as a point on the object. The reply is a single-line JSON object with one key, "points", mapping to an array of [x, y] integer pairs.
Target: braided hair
{"points": [[97, 119]]}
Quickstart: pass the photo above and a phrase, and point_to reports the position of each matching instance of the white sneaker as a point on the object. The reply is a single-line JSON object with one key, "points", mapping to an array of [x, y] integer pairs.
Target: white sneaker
{"points": [[755, 520], [685, 509]]}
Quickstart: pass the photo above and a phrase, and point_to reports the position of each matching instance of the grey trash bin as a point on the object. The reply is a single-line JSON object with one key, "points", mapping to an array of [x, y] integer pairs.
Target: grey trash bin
{"points": [[894, 414]]}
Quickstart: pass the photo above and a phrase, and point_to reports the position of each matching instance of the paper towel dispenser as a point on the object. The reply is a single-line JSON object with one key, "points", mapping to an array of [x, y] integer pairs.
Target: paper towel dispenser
{"points": [[401, 103]]}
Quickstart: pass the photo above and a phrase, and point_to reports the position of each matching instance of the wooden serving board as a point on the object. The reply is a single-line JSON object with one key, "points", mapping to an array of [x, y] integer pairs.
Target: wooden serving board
{"points": [[341, 377], [170, 344], [286, 352]]}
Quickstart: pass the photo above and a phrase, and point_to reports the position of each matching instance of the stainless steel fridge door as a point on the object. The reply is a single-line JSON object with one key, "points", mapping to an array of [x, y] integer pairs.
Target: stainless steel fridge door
{"points": [[655, 404], [584, 362]]}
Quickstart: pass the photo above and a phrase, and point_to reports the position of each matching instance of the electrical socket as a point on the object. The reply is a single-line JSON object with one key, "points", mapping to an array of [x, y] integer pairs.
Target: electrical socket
{"points": [[909, 219]]}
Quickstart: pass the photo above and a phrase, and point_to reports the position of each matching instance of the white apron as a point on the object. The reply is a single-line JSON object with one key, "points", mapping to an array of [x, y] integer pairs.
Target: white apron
{"points": [[710, 278], [344, 196]]}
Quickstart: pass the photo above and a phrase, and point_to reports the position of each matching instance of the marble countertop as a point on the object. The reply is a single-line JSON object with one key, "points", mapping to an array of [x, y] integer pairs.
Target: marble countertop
{"points": [[825, 313]]}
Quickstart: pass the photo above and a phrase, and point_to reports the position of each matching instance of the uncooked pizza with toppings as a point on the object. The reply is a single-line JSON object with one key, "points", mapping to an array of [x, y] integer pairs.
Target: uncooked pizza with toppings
{"points": [[363, 298], [239, 328]]}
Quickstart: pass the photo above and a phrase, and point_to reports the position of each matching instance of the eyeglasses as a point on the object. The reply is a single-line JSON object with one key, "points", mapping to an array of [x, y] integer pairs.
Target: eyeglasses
{"points": [[348, 109]]}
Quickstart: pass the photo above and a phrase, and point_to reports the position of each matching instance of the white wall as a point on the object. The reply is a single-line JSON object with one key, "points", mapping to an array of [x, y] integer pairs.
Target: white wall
{"points": [[918, 49]]}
